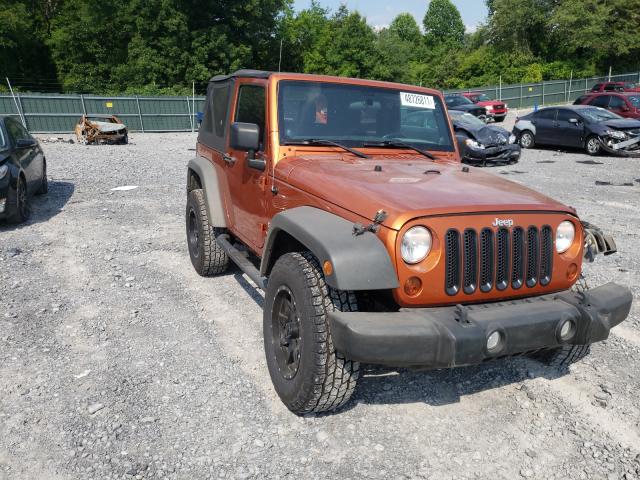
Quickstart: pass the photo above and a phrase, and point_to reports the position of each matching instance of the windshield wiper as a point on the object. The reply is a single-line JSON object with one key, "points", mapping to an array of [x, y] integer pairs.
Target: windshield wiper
{"points": [[319, 141], [399, 144]]}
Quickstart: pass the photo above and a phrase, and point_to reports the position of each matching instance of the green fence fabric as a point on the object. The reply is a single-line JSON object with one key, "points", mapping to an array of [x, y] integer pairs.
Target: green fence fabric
{"points": [[60, 113]]}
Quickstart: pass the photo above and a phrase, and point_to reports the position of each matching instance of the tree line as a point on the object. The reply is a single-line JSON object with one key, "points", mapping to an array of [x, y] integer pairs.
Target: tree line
{"points": [[161, 46]]}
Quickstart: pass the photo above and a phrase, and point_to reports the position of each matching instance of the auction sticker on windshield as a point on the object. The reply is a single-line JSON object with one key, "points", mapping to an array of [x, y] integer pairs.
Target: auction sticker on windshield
{"points": [[416, 100]]}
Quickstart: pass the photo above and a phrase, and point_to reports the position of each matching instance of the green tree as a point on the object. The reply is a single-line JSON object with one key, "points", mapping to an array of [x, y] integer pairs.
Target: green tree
{"points": [[346, 48], [443, 24], [405, 27]]}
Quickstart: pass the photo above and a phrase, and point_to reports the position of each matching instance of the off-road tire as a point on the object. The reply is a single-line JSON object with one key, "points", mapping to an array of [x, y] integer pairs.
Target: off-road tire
{"points": [[592, 150], [207, 256], [530, 140], [564, 356], [561, 358], [323, 380], [18, 203], [44, 182]]}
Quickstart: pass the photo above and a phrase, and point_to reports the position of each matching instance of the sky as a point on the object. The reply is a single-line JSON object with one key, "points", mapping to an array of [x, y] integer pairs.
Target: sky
{"points": [[379, 13]]}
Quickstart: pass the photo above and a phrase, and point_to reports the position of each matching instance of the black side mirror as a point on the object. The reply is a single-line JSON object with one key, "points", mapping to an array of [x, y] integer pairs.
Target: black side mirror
{"points": [[25, 143], [246, 137]]}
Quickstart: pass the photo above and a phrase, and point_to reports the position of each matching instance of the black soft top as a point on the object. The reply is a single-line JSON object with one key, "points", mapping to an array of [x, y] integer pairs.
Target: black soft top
{"points": [[242, 73]]}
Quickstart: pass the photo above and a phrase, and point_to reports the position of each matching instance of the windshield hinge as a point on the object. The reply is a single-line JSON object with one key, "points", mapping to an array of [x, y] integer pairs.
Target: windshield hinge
{"points": [[359, 229]]}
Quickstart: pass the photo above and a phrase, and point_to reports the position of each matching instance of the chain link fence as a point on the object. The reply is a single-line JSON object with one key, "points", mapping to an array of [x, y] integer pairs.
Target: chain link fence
{"points": [[59, 113], [47, 113], [553, 92]]}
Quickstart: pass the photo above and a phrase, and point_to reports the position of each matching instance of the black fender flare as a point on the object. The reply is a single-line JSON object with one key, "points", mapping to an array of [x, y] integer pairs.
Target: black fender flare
{"points": [[360, 262], [208, 176]]}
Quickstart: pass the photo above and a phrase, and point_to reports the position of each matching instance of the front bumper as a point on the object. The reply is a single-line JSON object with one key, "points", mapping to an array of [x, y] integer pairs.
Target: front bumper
{"points": [[456, 336], [509, 153]]}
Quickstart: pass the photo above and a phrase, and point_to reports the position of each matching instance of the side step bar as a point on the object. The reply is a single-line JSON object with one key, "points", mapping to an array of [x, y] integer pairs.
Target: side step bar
{"points": [[241, 260]]}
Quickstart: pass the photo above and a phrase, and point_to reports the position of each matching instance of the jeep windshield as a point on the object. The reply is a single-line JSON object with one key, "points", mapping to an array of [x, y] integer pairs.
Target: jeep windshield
{"points": [[359, 116]]}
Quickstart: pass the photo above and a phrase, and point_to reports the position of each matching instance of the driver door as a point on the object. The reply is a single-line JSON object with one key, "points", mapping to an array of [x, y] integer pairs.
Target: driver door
{"points": [[570, 133], [248, 185]]}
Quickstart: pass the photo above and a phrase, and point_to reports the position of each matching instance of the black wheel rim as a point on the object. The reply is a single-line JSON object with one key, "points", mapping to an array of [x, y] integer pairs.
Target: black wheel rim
{"points": [[192, 233], [285, 322]]}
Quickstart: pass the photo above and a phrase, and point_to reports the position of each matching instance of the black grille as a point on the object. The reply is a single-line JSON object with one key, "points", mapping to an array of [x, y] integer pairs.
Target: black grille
{"points": [[491, 260], [532, 256], [546, 255], [470, 261], [517, 247], [452, 262]]}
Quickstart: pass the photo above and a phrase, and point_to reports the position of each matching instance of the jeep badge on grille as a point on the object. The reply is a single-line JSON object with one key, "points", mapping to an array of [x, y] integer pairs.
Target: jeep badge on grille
{"points": [[503, 223]]}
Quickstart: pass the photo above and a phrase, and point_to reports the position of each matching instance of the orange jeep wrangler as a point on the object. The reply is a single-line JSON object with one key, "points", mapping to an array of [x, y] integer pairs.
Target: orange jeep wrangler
{"points": [[374, 244]]}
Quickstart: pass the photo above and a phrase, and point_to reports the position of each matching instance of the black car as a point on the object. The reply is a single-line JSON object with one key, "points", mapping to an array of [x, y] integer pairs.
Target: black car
{"points": [[23, 170], [482, 144], [463, 104], [579, 126]]}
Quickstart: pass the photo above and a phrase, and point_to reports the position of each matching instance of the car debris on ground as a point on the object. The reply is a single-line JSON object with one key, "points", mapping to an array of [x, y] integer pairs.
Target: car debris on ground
{"points": [[101, 129]]}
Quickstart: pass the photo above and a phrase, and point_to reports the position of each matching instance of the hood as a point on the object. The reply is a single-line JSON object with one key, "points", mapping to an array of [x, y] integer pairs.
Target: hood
{"points": [[408, 187], [622, 123], [488, 135], [467, 108]]}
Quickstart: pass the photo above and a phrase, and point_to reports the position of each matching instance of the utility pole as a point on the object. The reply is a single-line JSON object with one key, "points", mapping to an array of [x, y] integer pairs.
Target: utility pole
{"points": [[280, 60], [13, 95]]}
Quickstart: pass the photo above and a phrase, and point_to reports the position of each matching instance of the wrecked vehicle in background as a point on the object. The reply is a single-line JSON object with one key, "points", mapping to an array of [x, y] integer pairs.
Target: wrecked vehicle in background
{"points": [[580, 126], [96, 129], [482, 144]]}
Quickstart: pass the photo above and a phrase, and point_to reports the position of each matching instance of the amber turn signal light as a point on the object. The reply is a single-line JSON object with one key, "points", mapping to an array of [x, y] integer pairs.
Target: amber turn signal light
{"points": [[413, 286], [327, 268]]}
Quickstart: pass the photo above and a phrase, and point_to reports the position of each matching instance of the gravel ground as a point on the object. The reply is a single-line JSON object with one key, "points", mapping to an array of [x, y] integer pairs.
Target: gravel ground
{"points": [[118, 361]]}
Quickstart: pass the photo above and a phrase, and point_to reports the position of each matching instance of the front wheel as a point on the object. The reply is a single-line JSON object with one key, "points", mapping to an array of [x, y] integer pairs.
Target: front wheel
{"points": [[562, 357], [19, 207], [527, 140], [307, 373], [207, 256], [593, 145], [44, 182]]}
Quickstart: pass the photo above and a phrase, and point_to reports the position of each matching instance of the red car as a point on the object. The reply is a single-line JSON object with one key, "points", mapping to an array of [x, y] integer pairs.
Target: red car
{"points": [[615, 87], [625, 104], [495, 108]]}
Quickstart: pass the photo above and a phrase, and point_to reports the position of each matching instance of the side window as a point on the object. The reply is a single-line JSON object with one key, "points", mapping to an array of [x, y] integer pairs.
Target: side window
{"points": [[15, 131], [601, 101], [616, 102], [547, 114], [565, 115], [213, 129], [596, 87], [251, 107]]}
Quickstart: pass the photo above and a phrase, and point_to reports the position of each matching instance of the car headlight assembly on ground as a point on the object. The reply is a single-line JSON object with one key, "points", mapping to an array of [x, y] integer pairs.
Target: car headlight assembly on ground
{"points": [[416, 245], [616, 134], [469, 142], [565, 234]]}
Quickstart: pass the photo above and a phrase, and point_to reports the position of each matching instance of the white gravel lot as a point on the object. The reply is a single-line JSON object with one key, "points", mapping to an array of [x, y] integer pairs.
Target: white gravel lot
{"points": [[118, 361]]}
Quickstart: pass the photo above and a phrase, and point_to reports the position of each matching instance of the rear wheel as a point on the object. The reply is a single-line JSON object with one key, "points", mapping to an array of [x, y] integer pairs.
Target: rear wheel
{"points": [[207, 256], [19, 207], [527, 140], [593, 145], [307, 373]]}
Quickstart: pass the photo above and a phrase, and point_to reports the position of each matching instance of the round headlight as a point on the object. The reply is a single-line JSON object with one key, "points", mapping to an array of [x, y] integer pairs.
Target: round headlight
{"points": [[416, 245], [564, 236]]}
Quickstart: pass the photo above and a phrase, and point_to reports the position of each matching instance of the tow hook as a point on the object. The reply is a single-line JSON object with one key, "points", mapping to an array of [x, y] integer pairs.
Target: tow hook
{"points": [[597, 242]]}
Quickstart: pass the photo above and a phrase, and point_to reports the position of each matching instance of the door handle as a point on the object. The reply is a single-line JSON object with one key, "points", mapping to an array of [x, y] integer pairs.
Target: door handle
{"points": [[229, 160]]}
